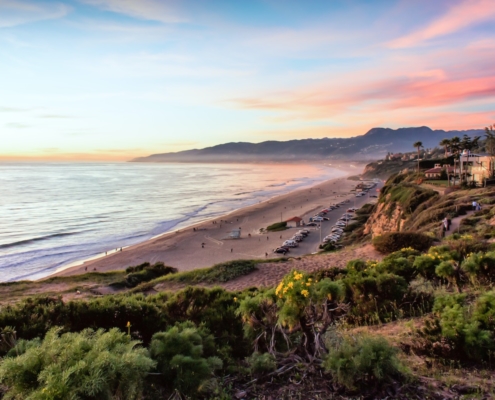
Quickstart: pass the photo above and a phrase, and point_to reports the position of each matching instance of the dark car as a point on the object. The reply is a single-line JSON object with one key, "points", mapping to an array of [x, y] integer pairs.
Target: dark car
{"points": [[281, 250], [312, 224], [326, 219], [373, 195]]}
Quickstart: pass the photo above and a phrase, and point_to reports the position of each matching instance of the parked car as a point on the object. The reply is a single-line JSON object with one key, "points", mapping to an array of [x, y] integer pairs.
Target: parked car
{"points": [[281, 250], [350, 210], [317, 219], [290, 243], [338, 230], [340, 223], [374, 195], [311, 224]]}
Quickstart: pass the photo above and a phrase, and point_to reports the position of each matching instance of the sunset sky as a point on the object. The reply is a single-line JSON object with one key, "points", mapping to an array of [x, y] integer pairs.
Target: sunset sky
{"points": [[116, 79]]}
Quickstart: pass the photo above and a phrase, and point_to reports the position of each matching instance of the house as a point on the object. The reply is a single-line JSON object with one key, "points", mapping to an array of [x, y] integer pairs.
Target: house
{"points": [[436, 172], [476, 167], [294, 222]]}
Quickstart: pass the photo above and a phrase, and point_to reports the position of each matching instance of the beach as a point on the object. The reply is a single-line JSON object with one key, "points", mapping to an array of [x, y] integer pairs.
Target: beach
{"points": [[207, 243]]}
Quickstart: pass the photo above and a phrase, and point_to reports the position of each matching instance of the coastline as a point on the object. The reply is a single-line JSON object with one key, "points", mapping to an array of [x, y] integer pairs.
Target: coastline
{"points": [[184, 248]]}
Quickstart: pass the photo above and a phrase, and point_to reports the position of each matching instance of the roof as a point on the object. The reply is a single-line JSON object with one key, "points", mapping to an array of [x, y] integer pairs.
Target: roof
{"points": [[295, 219], [437, 170], [434, 170]]}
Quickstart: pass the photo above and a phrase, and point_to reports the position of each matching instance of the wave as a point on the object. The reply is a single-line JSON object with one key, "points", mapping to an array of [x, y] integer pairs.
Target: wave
{"points": [[36, 239]]}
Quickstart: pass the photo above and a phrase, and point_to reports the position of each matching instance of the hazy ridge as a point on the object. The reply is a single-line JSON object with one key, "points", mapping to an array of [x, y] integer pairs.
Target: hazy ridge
{"points": [[374, 144]]}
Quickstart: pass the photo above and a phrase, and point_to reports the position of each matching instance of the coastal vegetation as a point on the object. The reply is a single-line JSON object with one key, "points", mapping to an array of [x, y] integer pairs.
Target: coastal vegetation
{"points": [[278, 226], [417, 323]]}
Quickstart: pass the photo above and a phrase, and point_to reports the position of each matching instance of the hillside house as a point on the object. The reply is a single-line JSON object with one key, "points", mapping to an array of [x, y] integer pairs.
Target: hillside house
{"points": [[294, 222], [436, 172], [476, 167]]}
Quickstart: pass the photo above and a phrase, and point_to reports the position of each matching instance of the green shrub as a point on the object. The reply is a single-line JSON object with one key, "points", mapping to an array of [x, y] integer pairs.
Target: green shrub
{"points": [[278, 226], [86, 365], [179, 355], [400, 263], [480, 267], [144, 273], [362, 362], [395, 241], [328, 247], [467, 329], [260, 363], [222, 272]]}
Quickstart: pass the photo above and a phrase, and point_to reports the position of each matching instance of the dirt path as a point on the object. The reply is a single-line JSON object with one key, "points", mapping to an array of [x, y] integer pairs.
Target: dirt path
{"points": [[454, 226]]}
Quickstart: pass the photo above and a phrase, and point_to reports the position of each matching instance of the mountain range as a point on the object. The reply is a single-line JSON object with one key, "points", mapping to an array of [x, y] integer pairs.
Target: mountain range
{"points": [[374, 144]]}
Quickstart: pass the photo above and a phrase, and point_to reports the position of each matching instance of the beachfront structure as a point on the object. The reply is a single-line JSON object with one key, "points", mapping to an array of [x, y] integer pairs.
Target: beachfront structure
{"points": [[294, 222], [476, 167], [436, 172]]}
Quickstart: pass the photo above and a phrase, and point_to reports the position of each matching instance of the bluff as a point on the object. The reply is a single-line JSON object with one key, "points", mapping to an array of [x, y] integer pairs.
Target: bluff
{"points": [[372, 145]]}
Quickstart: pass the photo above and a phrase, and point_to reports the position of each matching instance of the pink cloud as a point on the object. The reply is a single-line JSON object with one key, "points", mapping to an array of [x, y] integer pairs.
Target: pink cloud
{"points": [[467, 13]]}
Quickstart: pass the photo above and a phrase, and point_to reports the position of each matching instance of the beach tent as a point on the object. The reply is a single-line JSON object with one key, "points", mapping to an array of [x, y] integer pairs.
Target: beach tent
{"points": [[294, 222]]}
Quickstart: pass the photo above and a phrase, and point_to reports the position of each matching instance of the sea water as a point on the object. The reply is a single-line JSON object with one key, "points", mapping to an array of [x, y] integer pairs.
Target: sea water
{"points": [[54, 214]]}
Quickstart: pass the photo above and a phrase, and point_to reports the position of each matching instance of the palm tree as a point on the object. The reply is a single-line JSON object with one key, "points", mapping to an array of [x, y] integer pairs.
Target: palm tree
{"points": [[418, 145], [446, 144], [455, 148]]}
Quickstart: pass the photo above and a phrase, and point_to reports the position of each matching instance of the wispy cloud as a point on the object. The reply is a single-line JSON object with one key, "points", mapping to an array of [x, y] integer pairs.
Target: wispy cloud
{"points": [[55, 116], [13, 13], [460, 16], [153, 10], [16, 125]]}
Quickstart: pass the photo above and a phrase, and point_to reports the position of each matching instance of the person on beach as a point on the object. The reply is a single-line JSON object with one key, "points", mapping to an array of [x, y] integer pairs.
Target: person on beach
{"points": [[231, 250], [446, 224], [202, 245], [478, 207], [449, 222], [267, 238], [475, 205]]}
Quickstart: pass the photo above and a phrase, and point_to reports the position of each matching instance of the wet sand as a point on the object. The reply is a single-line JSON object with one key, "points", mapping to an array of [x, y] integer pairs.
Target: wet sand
{"points": [[207, 243]]}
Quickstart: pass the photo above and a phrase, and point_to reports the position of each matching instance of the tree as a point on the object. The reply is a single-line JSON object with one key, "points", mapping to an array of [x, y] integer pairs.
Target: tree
{"points": [[418, 145], [490, 145], [445, 143], [87, 365]]}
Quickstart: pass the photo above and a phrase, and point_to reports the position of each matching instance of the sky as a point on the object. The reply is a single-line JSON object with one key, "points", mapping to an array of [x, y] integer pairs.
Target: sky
{"points": [[109, 80]]}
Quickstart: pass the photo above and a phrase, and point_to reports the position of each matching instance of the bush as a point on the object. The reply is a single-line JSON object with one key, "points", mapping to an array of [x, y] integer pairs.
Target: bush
{"points": [[144, 273], [86, 365], [179, 356], [461, 329], [261, 363], [278, 226], [395, 241], [363, 361], [222, 272], [480, 267]]}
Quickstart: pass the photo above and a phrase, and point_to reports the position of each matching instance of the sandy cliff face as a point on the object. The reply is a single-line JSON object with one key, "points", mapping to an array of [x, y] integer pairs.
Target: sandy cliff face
{"points": [[386, 218]]}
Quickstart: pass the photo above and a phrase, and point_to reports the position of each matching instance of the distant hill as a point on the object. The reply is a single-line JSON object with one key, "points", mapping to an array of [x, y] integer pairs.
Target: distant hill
{"points": [[372, 145]]}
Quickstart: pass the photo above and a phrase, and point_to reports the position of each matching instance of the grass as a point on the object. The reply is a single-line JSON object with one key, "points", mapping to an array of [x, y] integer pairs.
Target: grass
{"points": [[444, 183]]}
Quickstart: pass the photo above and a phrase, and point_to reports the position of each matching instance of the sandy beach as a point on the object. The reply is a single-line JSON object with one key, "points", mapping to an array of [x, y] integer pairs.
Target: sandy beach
{"points": [[207, 243]]}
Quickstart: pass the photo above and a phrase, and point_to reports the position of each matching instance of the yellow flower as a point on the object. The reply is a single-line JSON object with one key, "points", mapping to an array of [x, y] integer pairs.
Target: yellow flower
{"points": [[305, 293], [291, 285], [310, 280], [235, 299], [285, 290], [329, 296], [308, 284]]}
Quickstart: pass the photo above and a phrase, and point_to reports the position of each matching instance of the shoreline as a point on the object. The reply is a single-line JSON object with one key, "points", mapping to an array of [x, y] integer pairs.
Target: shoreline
{"points": [[201, 245]]}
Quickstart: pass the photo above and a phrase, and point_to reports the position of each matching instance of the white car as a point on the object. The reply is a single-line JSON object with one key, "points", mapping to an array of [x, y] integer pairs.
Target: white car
{"points": [[341, 224], [290, 243], [337, 230], [318, 219]]}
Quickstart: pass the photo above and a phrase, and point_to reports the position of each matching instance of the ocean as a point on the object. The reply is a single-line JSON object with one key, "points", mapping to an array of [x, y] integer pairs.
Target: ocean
{"points": [[55, 214]]}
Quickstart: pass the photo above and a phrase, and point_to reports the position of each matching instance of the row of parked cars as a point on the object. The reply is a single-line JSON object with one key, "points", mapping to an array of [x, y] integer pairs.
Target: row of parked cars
{"points": [[320, 217], [338, 228], [294, 241]]}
